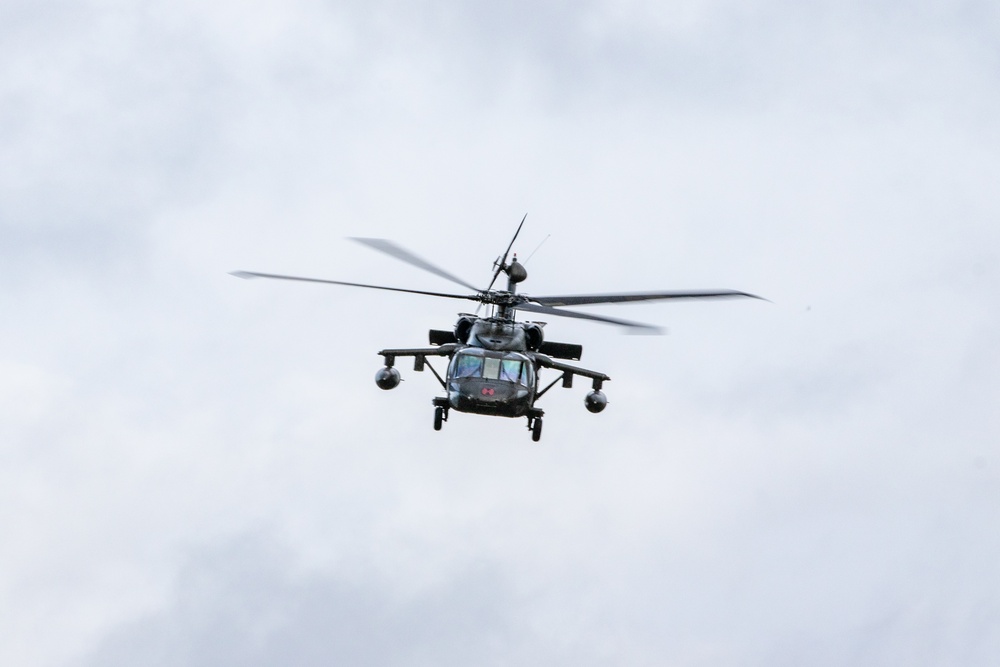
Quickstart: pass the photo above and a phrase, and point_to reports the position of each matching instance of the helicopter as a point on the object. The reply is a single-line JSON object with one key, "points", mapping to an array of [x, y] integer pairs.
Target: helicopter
{"points": [[494, 360]]}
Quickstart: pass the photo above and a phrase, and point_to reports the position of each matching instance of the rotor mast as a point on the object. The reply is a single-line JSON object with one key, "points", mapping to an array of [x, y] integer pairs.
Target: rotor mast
{"points": [[516, 273]]}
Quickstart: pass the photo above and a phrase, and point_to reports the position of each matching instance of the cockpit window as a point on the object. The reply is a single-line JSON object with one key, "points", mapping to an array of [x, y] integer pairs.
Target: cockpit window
{"points": [[510, 370], [491, 368], [468, 366]]}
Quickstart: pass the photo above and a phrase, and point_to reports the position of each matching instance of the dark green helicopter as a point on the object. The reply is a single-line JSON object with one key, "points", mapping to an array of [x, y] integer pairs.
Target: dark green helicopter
{"points": [[494, 361]]}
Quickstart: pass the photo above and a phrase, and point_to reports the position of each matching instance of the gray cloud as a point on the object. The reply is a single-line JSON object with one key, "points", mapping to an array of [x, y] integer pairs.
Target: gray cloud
{"points": [[240, 606]]}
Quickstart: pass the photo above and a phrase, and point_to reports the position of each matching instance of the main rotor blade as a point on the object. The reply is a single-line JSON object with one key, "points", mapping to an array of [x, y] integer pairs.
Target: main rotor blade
{"points": [[503, 260], [637, 327], [393, 250], [254, 274], [626, 297]]}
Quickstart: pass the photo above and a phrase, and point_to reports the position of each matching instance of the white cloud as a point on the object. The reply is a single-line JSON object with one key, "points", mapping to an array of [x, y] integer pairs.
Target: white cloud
{"points": [[201, 469]]}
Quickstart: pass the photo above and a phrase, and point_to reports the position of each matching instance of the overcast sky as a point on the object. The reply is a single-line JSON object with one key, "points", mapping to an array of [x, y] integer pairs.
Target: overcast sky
{"points": [[199, 470]]}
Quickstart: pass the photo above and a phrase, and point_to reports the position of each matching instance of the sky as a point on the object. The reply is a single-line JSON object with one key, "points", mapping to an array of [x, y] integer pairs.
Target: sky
{"points": [[199, 470]]}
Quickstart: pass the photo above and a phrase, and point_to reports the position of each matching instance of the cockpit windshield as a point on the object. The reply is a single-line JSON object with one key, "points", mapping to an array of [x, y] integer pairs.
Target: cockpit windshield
{"points": [[480, 364], [468, 366]]}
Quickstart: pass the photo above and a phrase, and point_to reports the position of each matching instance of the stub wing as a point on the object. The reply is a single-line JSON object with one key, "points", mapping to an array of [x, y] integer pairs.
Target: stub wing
{"points": [[547, 362], [419, 355], [445, 350]]}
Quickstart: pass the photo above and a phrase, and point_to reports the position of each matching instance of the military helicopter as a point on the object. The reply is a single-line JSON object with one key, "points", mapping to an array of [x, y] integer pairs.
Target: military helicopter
{"points": [[494, 360]]}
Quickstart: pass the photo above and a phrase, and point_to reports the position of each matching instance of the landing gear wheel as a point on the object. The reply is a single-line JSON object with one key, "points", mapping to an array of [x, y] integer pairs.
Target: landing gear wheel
{"points": [[536, 430], [438, 418]]}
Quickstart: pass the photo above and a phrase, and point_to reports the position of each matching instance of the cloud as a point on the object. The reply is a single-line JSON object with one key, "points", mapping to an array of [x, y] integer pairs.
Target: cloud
{"points": [[201, 469], [241, 605]]}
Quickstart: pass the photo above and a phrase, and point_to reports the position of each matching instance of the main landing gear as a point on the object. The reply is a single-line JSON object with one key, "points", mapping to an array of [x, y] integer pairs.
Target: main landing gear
{"points": [[536, 429], [534, 418], [535, 423], [440, 412]]}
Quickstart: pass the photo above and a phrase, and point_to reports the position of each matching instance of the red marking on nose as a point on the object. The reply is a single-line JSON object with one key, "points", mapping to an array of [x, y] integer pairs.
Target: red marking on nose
{"points": [[488, 391]]}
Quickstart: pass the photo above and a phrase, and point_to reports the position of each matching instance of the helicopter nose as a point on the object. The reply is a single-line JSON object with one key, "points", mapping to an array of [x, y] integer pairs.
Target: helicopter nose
{"points": [[491, 393], [483, 391]]}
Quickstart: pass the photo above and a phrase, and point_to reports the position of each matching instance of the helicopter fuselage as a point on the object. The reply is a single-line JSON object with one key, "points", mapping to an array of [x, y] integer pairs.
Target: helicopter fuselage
{"points": [[493, 367]]}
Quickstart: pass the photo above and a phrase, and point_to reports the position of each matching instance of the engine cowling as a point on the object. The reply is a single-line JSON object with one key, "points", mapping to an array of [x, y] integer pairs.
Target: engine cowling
{"points": [[533, 336], [595, 401], [387, 378], [463, 327]]}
